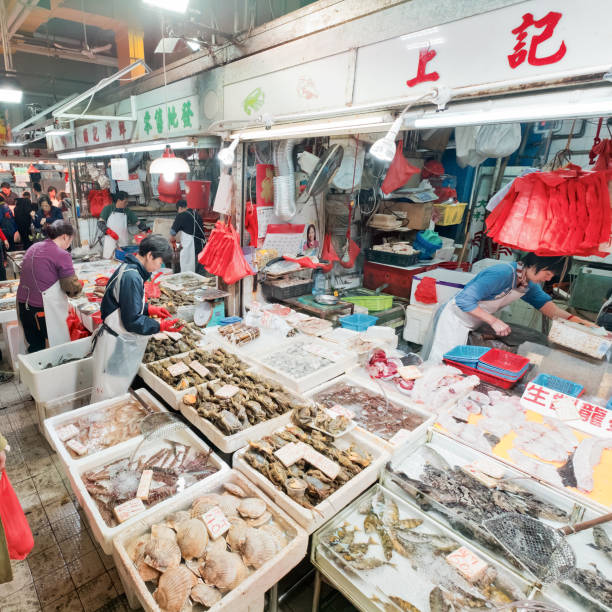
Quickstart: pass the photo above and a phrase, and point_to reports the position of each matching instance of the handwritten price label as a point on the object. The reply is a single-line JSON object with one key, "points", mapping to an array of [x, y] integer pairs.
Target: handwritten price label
{"points": [[128, 509], [176, 336], [330, 468], [197, 367], [467, 563], [65, 433], [290, 453], [216, 522], [178, 369], [226, 391], [77, 447], [160, 336]]}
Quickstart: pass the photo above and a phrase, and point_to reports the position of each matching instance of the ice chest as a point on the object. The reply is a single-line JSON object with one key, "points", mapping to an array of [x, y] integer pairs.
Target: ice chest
{"points": [[418, 320], [448, 283], [397, 279]]}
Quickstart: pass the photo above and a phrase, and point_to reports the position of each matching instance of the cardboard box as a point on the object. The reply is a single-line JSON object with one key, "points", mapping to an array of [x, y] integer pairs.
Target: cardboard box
{"points": [[418, 216]]}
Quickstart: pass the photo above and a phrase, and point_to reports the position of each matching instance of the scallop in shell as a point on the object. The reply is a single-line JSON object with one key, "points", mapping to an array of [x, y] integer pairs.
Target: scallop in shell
{"points": [[162, 554], [215, 546], [176, 518], [262, 520], [258, 548], [224, 570], [252, 507], [203, 504], [192, 538], [234, 489], [277, 533], [236, 536], [146, 572], [163, 531], [206, 595], [229, 504], [174, 588], [135, 549]]}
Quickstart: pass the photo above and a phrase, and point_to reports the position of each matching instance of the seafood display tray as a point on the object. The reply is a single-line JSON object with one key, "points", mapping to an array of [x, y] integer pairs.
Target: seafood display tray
{"points": [[250, 593], [54, 423], [301, 385], [387, 445], [178, 281], [48, 384], [360, 586], [337, 500], [9, 314], [101, 531], [229, 444]]}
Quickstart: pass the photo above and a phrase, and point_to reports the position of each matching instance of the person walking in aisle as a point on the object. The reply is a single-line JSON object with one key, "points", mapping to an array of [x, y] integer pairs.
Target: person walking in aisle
{"points": [[192, 237]]}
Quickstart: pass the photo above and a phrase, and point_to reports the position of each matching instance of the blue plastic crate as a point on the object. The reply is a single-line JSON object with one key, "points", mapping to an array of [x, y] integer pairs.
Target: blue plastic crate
{"points": [[123, 251], [559, 384], [466, 353], [358, 322], [229, 320], [513, 376]]}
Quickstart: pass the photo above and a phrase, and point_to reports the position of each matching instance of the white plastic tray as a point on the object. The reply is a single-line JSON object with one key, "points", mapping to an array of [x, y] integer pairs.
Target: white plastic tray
{"points": [[8, 315], [336, 501], [301, 385], [54, 423], [101, 531], [45, 385], [251, 591], [390, 446], [175, 281]]}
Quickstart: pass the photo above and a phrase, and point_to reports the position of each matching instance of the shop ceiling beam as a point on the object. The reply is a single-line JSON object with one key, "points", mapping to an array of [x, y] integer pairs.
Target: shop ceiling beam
{"points": [[19, 14], [20, 46], [42, 114]]}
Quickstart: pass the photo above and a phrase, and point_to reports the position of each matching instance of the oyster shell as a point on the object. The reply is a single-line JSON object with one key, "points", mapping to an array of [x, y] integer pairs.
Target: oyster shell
{"points": [[224, 570], [192, 538], [175, 519], [259, 547], [174, 588], [162, 530], [206, 595], [234, 489], [252, 507], [162, 554]]}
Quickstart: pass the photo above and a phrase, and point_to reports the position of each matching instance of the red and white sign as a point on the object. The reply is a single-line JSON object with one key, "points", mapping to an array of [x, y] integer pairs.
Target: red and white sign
{"points": [[591, 418], [216, 522], [467, 563]]}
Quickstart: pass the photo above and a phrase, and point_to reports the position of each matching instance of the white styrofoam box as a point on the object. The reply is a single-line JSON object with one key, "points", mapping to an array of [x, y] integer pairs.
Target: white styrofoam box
{"points": [[381, 333], [248, 594], [448, 283], [311, 519], [9, 314], [176, 281], [60, 405], [50, 383], [345, 360], [16, 342], [390, 446], [101, 531], [595, 342], [419, 317], [55, 422]]}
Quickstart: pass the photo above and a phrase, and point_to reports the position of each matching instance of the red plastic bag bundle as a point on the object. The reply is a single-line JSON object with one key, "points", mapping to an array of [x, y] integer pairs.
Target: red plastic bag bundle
{"points": [[426, 291], [399, 171], [565, 212], [222, 255], [97, 200], [18, 534], [75, 327]]}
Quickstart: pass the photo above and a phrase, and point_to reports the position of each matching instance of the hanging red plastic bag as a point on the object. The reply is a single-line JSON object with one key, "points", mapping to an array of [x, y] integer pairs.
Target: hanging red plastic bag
{"points": [[328, 253], [399, 171], [18, 534], [426, 291], [250, 223], [97, 200]]}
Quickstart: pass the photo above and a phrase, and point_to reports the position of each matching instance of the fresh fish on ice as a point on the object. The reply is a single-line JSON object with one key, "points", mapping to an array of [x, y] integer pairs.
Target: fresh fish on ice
{"points": [[450, 424], [542, 447], [475, 438], [497, 427], [586, 457], [543, 471], [602, 541], [563, 430]]}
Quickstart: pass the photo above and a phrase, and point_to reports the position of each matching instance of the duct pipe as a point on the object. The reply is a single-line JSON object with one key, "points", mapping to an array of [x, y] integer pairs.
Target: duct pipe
{"points": [[284, 184], [18, 15]]}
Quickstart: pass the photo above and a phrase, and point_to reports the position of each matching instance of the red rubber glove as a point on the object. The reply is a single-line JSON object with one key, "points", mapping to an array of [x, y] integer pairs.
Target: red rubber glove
{"points": [[170, 325], [113, 235], [159, 311]]}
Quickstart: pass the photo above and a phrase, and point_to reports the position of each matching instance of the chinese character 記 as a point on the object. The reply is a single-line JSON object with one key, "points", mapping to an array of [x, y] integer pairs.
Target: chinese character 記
{"points": [[548, 23]]}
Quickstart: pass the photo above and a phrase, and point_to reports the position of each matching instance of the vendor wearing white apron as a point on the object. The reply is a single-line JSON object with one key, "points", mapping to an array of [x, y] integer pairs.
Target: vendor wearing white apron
{"points": [[121, 340], [117, 217], [489, 292], [192, 238], [47, 280]]}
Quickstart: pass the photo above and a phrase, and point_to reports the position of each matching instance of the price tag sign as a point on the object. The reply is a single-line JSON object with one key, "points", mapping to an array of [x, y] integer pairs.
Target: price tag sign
{"points": [[65, 433], [160, 336], [330, 468], [400, 436], [216, 522], [324, 351], [290, 453], [197, 367], [467, 563], [336, 410], [176, 336], [128, 509], [226, 391], [177, 369], [77, 447], [144, 485]]}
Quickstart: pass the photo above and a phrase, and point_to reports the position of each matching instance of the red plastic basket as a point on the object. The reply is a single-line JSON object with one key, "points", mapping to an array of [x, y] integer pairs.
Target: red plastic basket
{"points": [[92, 297], [484, 377], [504, 360], [102, 281]]}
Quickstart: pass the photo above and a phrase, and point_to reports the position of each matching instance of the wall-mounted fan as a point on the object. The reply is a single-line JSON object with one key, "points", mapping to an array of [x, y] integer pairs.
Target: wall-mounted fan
{"points": [[323, 172]]}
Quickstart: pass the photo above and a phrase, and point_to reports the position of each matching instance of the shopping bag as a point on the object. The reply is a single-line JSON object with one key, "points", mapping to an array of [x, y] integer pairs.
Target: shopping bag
{"points": [[399, 171], [225, 191], [18, 534]]}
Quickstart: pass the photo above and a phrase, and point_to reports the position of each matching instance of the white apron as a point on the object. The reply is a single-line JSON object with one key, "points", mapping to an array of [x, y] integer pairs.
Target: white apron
{"points": [[188, 254], [55, 303], [118, 223], [454, 325], [118, 353]]}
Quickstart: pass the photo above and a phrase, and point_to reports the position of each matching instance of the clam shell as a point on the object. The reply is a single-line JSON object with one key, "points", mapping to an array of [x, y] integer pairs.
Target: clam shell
{"points": [[277, 533], [192, 538], [203, 504], [175, 519], [236, 536], [174, 588], [224, 570], [252, 507], [162, 554], [206, 595], [258, 548], [262, 520], [234, 489], [162, 530]]}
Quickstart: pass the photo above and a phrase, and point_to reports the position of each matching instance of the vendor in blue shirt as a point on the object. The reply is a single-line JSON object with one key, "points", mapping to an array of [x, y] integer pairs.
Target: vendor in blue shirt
{"points": [[490, 291]]}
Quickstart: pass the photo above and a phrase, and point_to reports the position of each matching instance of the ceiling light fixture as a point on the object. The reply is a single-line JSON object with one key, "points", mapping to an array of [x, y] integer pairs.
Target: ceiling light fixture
{"points": [[169, 165], [10, 90], [227, 154], [159, 146], [177, 6], [15, 143], [72, 155]]}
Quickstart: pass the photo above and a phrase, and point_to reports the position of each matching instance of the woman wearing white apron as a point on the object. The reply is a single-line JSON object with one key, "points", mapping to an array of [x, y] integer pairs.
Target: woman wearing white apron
{"points": [[189, 223], [121, 340], [117, 217], [47, 280], [489, 292]]}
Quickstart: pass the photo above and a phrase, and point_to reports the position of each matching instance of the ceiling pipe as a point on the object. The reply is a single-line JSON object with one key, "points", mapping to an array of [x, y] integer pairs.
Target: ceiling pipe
{"points": [[19, 45], [19, 14]]}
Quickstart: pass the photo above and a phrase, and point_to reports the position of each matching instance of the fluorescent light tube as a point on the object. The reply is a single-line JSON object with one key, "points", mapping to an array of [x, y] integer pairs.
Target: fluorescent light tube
{"points": [[177, 6], [15, 144], [72, 155]]}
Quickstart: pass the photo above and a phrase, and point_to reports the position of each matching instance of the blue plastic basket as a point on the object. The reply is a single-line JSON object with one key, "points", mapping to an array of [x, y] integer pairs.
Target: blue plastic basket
{"points": [[358, 322], [229, 321], [123, 251], [466, 353], [513, 376], [427, 248], [559, 384]]}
